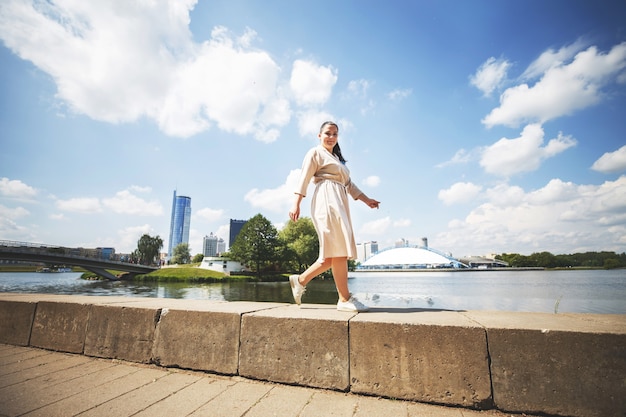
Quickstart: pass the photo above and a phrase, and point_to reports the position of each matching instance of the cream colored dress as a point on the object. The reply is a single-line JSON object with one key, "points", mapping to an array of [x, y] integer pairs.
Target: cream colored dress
{"points": [[330, 209]]}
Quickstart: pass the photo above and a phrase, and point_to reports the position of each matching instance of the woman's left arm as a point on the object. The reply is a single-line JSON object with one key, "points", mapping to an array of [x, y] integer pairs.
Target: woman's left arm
{"points": [[369, 201]]}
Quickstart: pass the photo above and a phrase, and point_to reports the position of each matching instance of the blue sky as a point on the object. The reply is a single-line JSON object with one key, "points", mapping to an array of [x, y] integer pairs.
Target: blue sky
{"points": [[485, 126]]}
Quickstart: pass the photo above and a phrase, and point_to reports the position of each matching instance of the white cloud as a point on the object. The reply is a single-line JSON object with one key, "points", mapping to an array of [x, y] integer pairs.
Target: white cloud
{"points": [[399, 94], [310, 121], [358, 88], [376, 227], [611, 161], [490, 75], [209, 214], [372, 181], [124, 202], [563, 88], [512, 156], [120, 61], [16, 189], [402, 223], [461, 192], [80, 205], [312, 84], [560, 215], [276, 200], [129, 236], [460, 157], [13, 213]]}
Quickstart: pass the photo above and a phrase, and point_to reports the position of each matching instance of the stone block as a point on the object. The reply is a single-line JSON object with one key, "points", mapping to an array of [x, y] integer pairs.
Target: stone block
{"points": [[428, 356], [60, 326], [16, 321], [557, 364], [206, 339], [121, 332], [304, 346]]}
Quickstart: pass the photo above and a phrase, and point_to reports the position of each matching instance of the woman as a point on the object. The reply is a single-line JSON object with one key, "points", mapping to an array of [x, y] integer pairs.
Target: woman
{"points": [[331, 215]]}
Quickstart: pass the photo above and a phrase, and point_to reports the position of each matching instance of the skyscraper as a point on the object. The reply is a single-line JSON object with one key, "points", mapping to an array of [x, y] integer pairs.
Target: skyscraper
{"points": [[179, 225], [235, 228]]}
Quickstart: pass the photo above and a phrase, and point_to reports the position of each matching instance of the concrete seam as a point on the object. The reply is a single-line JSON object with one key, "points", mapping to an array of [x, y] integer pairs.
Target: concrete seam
{"points": [[32, 323], [493, 398], [84, 341]]}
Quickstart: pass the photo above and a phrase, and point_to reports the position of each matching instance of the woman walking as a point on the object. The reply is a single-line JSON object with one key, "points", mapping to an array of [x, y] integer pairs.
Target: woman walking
{"points": [[330, 213]]}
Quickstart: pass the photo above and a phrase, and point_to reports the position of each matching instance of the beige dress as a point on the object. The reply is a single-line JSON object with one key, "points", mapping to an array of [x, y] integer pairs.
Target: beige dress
{"points": [[330, 209]]}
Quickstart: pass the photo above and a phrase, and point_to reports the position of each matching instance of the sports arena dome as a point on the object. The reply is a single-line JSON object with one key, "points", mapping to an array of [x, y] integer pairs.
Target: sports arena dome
{"points": [[410, 258]]}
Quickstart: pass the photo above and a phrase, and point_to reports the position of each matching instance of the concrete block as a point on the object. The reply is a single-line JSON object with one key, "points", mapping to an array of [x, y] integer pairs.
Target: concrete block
{"points": [[436, 357], [121, 332], [16, 321], [60, 326], [304, 346], [557, 364], [206, 338]]}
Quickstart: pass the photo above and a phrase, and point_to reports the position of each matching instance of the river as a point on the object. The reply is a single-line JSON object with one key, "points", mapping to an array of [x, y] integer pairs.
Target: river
{"points": [[569, 291]]}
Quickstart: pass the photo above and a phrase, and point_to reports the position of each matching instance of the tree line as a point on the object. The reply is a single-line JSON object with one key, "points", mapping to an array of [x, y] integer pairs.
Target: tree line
{"points": [[607, 260], [264, 249]]}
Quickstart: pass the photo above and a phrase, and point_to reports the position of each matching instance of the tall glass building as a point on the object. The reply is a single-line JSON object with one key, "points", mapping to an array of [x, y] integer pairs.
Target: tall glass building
{"points": [[181, 219]]}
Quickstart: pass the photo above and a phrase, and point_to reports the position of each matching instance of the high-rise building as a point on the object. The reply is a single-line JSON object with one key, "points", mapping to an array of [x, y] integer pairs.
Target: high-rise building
{"points": [[235, 228], [213, 245], [366, 250], [181, 219]]}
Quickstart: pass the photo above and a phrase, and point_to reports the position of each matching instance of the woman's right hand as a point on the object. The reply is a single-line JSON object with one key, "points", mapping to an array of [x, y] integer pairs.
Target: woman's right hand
{"points": [[294, 213]]}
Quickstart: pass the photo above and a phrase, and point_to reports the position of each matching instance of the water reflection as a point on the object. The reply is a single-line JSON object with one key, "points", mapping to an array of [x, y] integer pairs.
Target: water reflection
{"points": [[541, 291]]}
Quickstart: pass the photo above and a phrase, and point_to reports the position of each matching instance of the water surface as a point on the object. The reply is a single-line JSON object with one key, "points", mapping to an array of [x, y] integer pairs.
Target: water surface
{"points": [[574, 291]]}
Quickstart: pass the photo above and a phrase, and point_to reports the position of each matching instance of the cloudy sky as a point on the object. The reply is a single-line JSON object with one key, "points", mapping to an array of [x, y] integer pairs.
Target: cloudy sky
{"points": [[486, 126]]}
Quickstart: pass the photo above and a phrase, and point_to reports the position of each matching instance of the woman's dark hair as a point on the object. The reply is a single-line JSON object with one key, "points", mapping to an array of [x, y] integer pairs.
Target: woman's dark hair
{"points": [[336, 148]]}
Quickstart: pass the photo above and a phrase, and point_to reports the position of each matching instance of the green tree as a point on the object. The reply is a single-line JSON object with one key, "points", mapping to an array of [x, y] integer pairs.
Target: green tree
{"points": [[300, 240], [256, 244], [197, 258], [181, 254], [148, 249]]}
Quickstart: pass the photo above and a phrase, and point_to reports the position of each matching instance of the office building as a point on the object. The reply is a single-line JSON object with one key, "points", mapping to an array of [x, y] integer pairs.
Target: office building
{"points": [[180, 222], [366, 250], [235, 228], [213, 245]]}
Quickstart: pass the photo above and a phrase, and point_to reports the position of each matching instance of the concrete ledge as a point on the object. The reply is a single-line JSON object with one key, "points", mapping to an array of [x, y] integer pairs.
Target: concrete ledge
{"points": [[304, 346], [428, 356], [565, 364], [16, 321], [60, 326], [550, 364], [208, 340]]}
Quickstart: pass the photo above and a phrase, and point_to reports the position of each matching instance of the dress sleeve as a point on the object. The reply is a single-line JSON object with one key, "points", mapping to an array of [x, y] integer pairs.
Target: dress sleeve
{"points": [[310, 165], [353, 190]]}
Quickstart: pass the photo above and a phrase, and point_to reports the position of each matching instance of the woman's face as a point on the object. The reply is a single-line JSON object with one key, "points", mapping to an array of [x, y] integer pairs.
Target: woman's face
{"points": [[328, 137]]}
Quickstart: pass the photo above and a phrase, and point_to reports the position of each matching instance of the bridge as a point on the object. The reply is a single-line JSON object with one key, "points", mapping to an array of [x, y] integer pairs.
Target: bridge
{"points": [[58, 255]]}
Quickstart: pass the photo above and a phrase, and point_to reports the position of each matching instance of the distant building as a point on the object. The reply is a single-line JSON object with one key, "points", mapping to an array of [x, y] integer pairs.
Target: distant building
{"points": [[223, 265], [410, 258], [235, 228], [364, 251], [213, 245], [180, 222]]}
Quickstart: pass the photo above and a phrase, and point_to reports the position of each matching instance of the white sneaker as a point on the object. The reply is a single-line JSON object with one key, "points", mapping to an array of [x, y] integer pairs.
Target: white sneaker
{"points": [[297, 289], [352, 305]]}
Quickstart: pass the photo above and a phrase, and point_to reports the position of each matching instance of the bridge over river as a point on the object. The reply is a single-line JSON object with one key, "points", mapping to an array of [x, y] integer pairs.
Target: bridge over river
{"points": [[58, 255]]}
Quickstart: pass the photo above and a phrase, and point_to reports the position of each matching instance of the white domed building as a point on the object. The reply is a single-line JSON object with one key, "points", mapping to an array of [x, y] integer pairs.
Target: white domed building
{"points": [[407, 258]]}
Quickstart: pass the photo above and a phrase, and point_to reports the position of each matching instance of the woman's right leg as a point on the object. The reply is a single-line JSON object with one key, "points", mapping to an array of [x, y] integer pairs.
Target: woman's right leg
{"points": [[314, 270]]}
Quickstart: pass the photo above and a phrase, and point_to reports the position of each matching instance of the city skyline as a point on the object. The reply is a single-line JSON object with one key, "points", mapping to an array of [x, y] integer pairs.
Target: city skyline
{"points": [[486, 126]]}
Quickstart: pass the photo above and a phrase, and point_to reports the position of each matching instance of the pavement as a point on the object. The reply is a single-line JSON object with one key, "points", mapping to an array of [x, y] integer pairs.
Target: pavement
{"points": [[37, 382]]}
